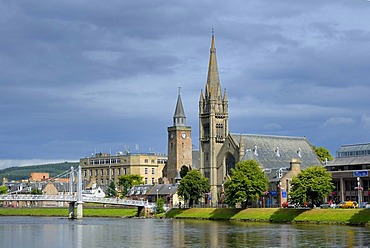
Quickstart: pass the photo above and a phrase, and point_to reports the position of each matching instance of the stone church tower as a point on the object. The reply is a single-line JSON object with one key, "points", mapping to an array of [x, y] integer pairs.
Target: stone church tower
{"points": [[213, 122], [179, 143]]}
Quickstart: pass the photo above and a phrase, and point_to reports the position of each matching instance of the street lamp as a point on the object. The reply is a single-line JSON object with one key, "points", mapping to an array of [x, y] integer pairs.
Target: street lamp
{"points": [[157, 194], [359, 188], [169, 196]]}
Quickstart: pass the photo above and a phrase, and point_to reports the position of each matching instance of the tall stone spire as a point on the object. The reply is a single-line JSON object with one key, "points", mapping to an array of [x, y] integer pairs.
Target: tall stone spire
{"points": [[213, 86], [213, 124], [179, 118]]}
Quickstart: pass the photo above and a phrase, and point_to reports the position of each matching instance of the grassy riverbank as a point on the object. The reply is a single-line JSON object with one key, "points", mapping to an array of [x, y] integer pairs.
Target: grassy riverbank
{"points": [[63, 212], [358, 217]]}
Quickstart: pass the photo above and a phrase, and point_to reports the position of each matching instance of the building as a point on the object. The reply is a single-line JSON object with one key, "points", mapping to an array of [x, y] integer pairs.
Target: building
{"points": [[179, 143], [220, 150], [39, 176], [102, 168], [350, 171]]}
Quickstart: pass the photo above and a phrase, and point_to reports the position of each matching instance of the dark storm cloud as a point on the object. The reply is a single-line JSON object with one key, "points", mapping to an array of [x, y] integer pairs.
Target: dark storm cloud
{"points": [[81, 76]]}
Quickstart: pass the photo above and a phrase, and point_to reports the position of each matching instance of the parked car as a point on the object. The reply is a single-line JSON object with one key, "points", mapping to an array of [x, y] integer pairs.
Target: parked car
{"points": [[363, 205], [327, 205], [367, 205], [348, 204], [289, 205]]}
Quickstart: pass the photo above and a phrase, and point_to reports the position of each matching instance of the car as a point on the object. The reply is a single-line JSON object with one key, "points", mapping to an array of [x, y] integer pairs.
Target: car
{"points": [[367, 205], [363, 205], [348, 204], [326, 205]]}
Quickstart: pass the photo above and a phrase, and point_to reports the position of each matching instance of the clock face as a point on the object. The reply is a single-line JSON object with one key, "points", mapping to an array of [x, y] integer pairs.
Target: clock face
{"points": [[183, 135]]}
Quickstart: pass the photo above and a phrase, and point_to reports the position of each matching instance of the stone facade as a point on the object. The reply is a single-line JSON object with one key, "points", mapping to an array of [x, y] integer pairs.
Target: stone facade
{"points": [[220, 150], [179, 143], [213, 122], [103, 167]]}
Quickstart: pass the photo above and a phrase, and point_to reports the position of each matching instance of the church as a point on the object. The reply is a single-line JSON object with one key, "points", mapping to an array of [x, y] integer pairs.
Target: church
{"points": [[280, 157]]}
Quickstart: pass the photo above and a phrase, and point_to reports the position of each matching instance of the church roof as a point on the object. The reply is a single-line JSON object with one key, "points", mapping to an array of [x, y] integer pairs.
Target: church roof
{"points": [[179, 111], [213, 86], [275, 152]]}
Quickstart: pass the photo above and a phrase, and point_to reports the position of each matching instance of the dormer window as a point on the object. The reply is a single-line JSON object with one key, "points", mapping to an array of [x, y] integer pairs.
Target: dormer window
{"points": [[255, 151], [277, 151], [299, 152]]}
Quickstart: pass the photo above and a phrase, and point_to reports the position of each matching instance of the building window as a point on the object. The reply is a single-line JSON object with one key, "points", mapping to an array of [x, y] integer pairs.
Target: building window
{"points": [[146, 180], [124, 171], [146, 161], [119, 171], [107, 172], [91, 173], [112, 172], [102, 172], [152, 171], [84, 173], [153, 181], [146, 170], [96, 173], [102, 182], [152, 161]]}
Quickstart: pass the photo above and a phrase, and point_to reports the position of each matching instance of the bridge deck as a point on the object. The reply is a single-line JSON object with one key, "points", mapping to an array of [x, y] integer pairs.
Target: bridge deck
{"points": [[71, 198]]}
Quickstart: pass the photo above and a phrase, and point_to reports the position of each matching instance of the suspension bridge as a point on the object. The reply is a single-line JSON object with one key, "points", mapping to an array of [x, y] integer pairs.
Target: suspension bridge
{"points": [[76, 199]]}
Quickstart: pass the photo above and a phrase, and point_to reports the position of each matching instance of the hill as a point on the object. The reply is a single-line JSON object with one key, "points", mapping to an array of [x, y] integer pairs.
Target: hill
{"points": [[23, 172]]}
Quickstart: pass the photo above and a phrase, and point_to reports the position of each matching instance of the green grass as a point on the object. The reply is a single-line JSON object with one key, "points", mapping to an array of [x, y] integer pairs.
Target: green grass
{"points": [[359, 217], [63, 212]]}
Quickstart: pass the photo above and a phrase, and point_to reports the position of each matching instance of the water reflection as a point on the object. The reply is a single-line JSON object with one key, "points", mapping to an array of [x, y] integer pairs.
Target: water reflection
{"points": [[99, 232]]}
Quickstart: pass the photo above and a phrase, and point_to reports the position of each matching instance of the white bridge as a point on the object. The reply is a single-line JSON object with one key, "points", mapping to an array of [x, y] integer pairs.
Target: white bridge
{"points": [[78, 199], [71, 198]]}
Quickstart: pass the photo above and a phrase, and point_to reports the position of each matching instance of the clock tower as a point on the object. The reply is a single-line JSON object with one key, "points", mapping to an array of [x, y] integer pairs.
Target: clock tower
{"points": [[179, 143]]}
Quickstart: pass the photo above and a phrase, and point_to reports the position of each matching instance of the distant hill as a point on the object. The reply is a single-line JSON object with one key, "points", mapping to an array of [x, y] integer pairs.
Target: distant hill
{"points": [[23, 172]]}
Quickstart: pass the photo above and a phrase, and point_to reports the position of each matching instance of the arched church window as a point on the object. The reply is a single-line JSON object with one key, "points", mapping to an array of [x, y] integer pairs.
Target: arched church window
{"points": [[230, 163]]}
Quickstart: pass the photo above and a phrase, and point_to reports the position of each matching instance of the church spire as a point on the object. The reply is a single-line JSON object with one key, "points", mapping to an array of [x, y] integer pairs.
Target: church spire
{"points": [[179, 118], [213, 86]]}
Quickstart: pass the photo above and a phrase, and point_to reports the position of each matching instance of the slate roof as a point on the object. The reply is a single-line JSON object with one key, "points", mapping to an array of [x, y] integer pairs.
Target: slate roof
{"points": [[163, 189], [349, 161], [195, 159], [275, 152]]}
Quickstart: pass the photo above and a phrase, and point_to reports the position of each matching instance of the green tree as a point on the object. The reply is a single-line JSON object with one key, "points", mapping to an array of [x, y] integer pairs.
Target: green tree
{"points": [[111, 190], [36, 191], [247, 182], [160, 204], [3, 190], [128, 181], [322, 153], [184, 170], [193, 187], [311, 184]]}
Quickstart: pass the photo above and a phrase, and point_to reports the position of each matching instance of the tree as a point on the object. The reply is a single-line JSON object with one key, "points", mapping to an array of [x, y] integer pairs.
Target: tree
{"points": [[311, 184], [36, 191], [160, 204], [3, 190], [193, 186], [322, 153], [128, 181], [184, 170], [247, 182], [111, 190]]}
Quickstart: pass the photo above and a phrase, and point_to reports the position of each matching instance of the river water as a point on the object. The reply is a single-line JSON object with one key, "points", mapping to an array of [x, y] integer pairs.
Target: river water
{"points": [[106, 232]]}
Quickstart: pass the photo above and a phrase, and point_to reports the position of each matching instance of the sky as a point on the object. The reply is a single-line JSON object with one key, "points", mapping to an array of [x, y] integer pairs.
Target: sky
{"points": [[79, 77]]}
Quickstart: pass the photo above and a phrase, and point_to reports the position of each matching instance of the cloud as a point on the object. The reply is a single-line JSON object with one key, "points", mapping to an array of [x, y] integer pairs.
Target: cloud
{"points": [[338, 121], [79, 76], [365, 121]]}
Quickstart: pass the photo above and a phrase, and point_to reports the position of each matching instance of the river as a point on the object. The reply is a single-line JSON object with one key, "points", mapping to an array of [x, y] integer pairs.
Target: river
{"points": [[106, 232]]}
